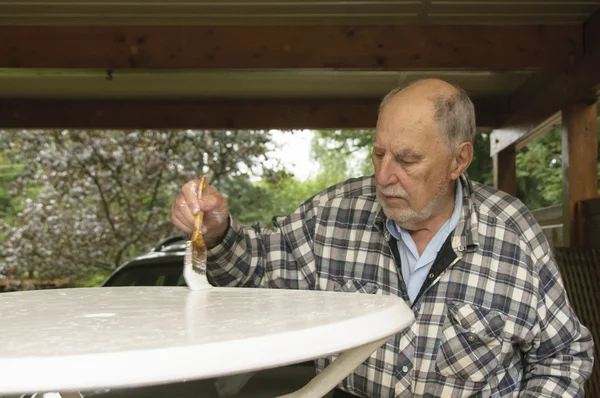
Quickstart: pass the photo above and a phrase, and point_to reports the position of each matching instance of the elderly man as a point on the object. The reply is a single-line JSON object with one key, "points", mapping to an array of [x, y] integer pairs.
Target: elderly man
{"points": [[492, 316]]}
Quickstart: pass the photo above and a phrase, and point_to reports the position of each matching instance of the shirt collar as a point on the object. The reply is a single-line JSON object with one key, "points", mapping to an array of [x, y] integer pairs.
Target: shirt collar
{"points": [[465, 237]]}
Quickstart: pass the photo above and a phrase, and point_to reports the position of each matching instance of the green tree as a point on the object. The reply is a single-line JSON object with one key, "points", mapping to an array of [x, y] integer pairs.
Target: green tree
{"points": [[339, 154], [539, 171], [94, 198], [481, 169], [9, 172]]}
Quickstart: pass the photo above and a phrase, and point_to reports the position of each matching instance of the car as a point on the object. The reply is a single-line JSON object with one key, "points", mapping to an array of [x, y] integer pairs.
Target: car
{"points": [[162, 266]]}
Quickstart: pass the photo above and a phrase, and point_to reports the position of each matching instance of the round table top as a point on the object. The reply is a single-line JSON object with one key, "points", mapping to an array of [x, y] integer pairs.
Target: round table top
{"points": [[82, 339]]}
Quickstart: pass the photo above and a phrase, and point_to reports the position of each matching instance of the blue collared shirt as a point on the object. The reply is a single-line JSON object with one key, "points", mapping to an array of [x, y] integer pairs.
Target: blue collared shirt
{"points": [[415, 267]]}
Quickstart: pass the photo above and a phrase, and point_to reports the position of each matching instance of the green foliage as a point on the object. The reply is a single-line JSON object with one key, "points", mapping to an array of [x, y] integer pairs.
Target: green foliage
{"points": [[93, 280], [343, 153], [539, 171], [92, 199], [248, 202], [481, 169], [9, 172], [339, 154], [285, 193]]}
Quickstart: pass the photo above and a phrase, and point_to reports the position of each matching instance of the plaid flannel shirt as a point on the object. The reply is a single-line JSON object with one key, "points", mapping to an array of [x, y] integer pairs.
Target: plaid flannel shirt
{"points": [[495, 322]]}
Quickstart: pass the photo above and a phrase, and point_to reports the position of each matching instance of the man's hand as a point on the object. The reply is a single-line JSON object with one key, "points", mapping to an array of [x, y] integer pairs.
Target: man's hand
{"points": [[216, 212]]}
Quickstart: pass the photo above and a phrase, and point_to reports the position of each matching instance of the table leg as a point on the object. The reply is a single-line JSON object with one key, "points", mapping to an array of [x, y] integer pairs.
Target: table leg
{"points": [[339, 369]]}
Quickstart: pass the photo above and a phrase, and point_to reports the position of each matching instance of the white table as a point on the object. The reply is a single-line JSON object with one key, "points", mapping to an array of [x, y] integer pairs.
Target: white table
{"points": [[81, 339]]}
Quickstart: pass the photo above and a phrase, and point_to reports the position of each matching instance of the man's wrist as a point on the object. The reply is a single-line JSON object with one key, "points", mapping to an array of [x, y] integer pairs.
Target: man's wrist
{"points": [[215, 242]]}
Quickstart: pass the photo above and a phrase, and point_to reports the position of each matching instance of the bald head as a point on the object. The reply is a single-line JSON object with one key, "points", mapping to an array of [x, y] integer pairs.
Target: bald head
{"points": [[446, 104], [422, 145], [428, 88]]}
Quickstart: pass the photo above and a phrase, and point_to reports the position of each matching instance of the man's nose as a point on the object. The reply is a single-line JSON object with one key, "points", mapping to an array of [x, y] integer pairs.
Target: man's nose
{"points": [[385, 173]]}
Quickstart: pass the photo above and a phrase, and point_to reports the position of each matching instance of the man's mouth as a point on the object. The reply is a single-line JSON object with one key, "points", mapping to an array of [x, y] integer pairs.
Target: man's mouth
{"points": [[393, 197]]}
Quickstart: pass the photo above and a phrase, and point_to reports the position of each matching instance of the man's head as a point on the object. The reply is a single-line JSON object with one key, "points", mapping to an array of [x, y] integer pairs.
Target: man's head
{"points": [[422, 144]]}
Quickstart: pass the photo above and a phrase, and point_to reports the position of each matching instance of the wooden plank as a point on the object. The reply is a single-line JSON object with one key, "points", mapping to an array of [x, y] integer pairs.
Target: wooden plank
{"points": [[580, 272], [580, 166], [539, 131], [520, 136], [549, 92], [246, 114], [401, 47], [591, 207], [223, 12], [543, 95], [590, 218], [187, 114], [505, 170], [591, 34], [552, 215]]}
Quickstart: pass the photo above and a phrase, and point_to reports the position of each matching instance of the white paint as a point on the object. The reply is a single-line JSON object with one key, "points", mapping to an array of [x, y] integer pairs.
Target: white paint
{"points": [[194, 269], [160, 335], [100, 315]]}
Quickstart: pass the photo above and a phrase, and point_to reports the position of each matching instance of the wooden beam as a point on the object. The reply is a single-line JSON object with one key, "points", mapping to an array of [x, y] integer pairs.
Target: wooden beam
{"points": [[247, 114], [549, 216], [549, 92], [540, 97], [505, 170], [590, 225], [187, 114], [538, 131], [401, 47], [591, 37], [580, 165]]}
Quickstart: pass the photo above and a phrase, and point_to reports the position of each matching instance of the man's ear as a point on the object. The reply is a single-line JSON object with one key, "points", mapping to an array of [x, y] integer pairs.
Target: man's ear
{"points": [[462, 158]]}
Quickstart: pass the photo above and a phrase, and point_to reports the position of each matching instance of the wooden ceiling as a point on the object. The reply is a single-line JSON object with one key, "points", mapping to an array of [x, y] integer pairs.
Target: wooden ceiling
{"points": [[283, 63], [293, 12], [237, 84]]}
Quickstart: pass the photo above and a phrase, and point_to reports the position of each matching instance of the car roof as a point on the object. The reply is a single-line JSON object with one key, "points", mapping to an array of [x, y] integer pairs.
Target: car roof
{"points": [[171, 244], [168, 252]]}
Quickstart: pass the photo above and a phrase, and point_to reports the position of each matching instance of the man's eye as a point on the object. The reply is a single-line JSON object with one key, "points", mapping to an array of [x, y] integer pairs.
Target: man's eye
{"points": [[378, 155]]}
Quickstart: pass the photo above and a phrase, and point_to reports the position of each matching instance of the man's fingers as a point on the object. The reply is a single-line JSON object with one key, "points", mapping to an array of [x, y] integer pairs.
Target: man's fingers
{"points": [[181, 213], [181, 224], [210, 201], [186, 205], [190, 194], [184, 214]]}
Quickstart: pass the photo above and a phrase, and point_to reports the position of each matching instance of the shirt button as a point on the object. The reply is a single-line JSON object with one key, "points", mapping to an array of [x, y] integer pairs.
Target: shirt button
{"points": [[431, 276], [405, 369], [460, 248], [471, 338]]}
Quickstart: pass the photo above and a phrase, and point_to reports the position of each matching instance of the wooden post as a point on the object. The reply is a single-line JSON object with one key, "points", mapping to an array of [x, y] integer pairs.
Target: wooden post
{"points": [[580, 165], [505, 170]]}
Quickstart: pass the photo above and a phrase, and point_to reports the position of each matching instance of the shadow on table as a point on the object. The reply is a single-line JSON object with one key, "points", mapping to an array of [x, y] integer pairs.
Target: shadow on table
{"points": [[266, 383]]}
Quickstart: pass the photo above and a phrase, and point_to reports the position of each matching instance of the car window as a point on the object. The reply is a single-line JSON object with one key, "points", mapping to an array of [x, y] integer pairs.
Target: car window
{"points": [[170, 274]]}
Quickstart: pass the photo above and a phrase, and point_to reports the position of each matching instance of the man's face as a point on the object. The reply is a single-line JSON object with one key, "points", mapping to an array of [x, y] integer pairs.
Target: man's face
{"points": [[412, 162]]}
